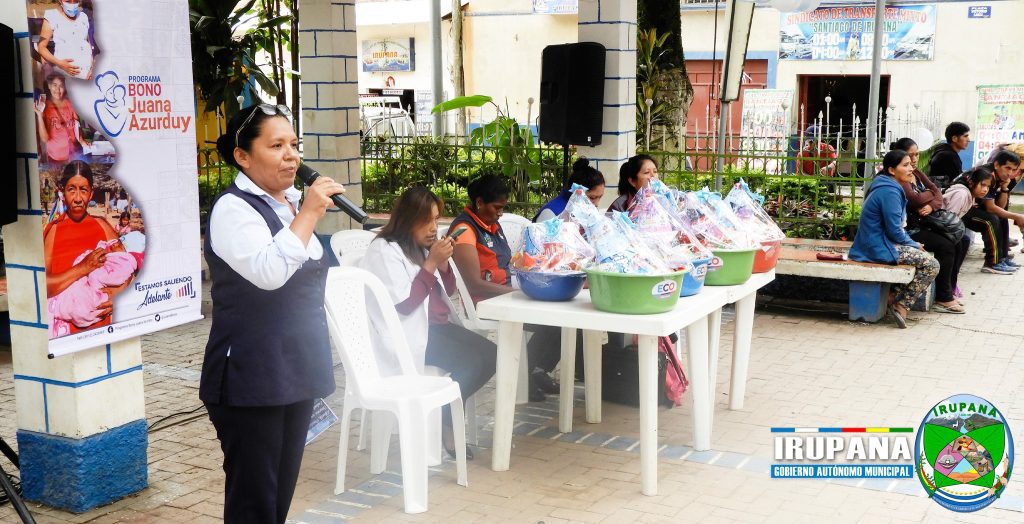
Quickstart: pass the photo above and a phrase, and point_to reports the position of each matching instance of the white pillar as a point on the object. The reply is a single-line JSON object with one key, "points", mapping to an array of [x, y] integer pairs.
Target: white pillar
{"points": [[81, 417], [330, 99], [612, 23]]}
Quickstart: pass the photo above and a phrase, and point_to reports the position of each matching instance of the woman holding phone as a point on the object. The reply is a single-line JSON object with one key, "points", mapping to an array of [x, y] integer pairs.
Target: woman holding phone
{"points": [[414, 266]]}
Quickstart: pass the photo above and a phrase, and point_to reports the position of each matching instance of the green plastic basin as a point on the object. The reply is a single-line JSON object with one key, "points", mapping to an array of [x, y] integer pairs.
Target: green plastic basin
{"points": [[737, 265], [634, 294]]}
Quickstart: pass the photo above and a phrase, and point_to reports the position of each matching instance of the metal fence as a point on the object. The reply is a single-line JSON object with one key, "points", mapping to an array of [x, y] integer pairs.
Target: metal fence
{"points": [[447, 165], [808, 195], [805, 205]]}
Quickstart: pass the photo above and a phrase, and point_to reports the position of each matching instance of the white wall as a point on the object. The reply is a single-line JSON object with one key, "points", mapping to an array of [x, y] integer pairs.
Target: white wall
{"points": [[503, 41], [968, 53]]}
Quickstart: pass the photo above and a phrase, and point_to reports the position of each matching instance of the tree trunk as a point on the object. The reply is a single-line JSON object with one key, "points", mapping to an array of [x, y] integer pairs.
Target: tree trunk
{"points": [[458, 77], [296, 120], [282, 95], [673, 84]]}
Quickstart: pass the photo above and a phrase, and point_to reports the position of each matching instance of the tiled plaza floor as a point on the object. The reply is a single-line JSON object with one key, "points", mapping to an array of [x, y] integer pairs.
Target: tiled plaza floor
{"points": [[807, 369]]}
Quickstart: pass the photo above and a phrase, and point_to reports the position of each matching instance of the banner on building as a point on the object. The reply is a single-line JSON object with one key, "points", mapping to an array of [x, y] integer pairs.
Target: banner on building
{"points": [[847, 33], [389, 55], [556, 7], [115, 121], [1000, 119], [764, 129]]}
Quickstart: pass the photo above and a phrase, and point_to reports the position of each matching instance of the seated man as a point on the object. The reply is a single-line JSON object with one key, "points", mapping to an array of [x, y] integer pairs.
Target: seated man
{"points": [[816, 157], [945, 163]]}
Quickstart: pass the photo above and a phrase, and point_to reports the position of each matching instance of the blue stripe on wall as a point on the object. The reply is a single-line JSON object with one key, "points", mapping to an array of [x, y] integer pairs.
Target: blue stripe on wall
{"points": [[46, 410], [22, 323], [619, 22], [83, 383], [24, 267]]}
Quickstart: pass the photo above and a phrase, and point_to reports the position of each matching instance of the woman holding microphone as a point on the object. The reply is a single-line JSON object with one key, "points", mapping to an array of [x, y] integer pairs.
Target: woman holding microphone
{"points": [[268, 355]]}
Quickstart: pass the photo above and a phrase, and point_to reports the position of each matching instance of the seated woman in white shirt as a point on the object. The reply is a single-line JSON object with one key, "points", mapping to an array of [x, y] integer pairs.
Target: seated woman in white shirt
{"points": [[414, 266]]}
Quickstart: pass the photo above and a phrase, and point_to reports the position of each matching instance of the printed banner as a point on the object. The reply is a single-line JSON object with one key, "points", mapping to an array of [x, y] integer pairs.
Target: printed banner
{"points": [[764, 129], [556, 7], [1000, 119], [115, 123], [389, 55], [847, 33]]}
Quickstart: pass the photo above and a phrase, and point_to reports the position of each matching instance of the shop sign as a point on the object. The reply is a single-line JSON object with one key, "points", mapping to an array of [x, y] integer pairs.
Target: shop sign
{"points": [[765, 126], [847, 33], [389, 55], [979, 11], [556, 7], [1000, 119]]}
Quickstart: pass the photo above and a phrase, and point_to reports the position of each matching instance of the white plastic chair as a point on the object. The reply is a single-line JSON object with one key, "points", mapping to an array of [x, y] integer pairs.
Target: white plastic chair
{"points": [[513, 226], [350, 245], [412, 398]]}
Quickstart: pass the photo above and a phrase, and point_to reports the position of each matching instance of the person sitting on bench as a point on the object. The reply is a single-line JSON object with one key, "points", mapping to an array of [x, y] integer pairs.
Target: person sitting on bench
{"points": [[881, 238]]}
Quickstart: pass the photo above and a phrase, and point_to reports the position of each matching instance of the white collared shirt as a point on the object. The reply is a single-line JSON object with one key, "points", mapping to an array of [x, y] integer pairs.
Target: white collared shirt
{"points": [[240, 237]]}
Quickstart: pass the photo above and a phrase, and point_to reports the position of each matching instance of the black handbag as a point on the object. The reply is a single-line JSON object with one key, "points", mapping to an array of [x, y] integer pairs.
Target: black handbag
{"points": [[945, 223]]}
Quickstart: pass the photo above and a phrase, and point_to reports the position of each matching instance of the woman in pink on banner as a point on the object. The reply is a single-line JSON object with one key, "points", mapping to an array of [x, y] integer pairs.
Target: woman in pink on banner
{"points": [[86, 265], [71, 33], [57, 122], [816, 157]]}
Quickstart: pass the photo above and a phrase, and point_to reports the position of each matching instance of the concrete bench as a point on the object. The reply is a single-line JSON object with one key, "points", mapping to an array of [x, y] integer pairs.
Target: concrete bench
{"points": [[869, 283]]}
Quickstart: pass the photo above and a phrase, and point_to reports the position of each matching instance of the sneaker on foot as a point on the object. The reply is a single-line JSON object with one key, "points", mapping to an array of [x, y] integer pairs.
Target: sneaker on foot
{"points": [[1009, 263], [1005, 267], [996, 270]]}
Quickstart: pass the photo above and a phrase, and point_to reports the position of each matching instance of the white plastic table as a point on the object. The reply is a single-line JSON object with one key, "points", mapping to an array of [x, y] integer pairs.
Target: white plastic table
{"points": [[700, 315]]}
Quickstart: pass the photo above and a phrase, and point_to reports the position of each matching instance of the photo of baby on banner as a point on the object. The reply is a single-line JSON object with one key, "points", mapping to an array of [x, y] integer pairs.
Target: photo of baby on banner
{"points": [[93, 233]]}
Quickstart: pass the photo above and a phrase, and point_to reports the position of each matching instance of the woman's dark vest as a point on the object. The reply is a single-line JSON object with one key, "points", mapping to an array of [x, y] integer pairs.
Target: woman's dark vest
{"points": [[492, 248], [280, 350]]}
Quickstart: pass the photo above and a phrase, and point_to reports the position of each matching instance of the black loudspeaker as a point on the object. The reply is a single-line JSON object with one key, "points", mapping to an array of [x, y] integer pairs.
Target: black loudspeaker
{"points": [[572, 93], [9, 188]]}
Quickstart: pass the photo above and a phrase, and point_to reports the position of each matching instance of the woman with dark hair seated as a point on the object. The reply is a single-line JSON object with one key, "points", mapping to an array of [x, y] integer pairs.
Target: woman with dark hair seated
{"points": [[882, 239], [634, 174], [582, 174], [482, 255], [924, 199], [414, 266]]}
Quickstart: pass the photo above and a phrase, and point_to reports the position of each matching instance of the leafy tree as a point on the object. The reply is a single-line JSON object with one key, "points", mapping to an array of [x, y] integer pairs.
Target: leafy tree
{"points": [[661, 72], [226, 40]]}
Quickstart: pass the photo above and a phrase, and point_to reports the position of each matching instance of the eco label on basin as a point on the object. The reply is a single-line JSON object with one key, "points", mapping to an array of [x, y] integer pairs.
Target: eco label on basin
{"points": [[699, 271], [665, 289]]}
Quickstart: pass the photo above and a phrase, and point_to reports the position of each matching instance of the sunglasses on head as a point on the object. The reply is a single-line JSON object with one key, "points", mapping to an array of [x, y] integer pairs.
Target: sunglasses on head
{"points": [[267, 109]]}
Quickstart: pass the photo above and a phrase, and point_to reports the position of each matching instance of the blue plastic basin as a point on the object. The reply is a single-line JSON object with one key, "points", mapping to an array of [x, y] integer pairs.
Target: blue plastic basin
{"points": [[693, 281], [551, 287]]}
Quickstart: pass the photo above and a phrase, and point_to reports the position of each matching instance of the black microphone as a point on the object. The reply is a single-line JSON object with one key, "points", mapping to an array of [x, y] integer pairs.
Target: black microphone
{"points": [[309, 175]]}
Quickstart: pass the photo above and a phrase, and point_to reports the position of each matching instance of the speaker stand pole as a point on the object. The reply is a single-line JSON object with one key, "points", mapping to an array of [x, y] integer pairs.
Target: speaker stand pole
{"points": [[8, 487], [565, 164]]}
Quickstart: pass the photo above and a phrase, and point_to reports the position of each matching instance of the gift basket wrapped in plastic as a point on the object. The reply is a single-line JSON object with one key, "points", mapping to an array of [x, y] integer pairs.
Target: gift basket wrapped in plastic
{"points": [[627, 275], [660, 228], [749, 211], [550, 263], [717, 228]]}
